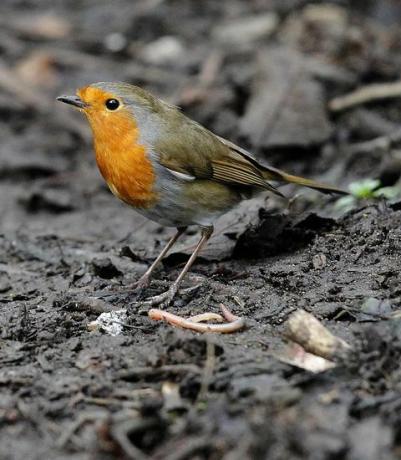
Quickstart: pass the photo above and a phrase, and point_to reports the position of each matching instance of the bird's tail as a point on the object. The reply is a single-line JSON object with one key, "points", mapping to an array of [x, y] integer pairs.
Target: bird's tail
{"points": [[270, 173]]}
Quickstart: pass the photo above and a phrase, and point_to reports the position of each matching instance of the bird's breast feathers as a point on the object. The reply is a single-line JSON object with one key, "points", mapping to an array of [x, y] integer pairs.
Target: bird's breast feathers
{"points": [[125, 164]]}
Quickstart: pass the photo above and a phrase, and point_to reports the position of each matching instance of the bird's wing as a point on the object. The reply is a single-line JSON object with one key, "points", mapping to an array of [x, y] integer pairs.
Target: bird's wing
{"points": [[191, 150], [274, 174]]}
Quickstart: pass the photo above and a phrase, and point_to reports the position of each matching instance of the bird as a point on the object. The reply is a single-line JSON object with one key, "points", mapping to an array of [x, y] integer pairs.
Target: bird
{"points": [[170, 168]]}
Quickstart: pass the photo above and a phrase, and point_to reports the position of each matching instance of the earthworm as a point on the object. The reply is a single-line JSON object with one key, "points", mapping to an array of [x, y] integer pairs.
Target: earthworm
{"points": [[203, 317], [235, 323]]}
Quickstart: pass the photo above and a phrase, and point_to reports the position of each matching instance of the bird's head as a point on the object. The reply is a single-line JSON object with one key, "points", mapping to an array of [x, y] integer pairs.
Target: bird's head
{"points": [[116, 108]]}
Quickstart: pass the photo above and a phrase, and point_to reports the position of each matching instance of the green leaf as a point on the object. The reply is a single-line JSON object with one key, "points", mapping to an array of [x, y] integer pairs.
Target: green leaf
{"points": [[364, 188], [388, 192]]}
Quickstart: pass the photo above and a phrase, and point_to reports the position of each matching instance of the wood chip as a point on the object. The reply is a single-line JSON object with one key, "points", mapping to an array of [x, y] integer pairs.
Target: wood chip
{"points": [[308, 332]]}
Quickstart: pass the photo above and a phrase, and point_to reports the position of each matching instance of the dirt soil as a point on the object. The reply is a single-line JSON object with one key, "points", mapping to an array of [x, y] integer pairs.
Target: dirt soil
{"points": [[260, 73]]}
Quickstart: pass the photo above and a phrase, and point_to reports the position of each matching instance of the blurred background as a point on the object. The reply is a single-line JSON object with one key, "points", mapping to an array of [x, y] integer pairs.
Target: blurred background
{"points": [[260, 72], [281, 78]]}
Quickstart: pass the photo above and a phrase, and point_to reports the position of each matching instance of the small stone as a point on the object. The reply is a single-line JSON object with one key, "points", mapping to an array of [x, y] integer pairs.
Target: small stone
{"points": [[165, 50], [4, 285], [319, 261], [126, 251], [51, 200], [373, 308], [115, 42]]}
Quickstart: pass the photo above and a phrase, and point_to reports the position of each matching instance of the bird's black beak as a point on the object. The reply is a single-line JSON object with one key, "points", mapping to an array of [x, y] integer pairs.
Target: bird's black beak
{"points": [[73, 100]]}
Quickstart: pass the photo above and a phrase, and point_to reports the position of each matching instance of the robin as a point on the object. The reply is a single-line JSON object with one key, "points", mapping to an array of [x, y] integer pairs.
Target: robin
{"points": [[170, 168]]}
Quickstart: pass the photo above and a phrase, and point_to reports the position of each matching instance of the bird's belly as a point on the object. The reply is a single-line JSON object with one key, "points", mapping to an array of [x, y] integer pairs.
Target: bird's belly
{"points": [[199, 202], [173, 215]]}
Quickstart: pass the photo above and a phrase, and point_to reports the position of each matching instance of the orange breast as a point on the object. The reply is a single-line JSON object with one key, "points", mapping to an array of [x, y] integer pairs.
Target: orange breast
{"points": [[122, 161]]}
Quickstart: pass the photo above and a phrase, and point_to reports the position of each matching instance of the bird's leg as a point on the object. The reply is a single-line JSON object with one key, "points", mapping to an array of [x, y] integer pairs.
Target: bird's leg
{"points": [[166, 297], [144, 280]]}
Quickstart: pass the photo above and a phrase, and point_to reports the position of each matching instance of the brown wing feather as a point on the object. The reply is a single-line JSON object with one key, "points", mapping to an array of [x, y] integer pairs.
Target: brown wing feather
{"points": [[189, 148], [271, 173], [240, 173]]}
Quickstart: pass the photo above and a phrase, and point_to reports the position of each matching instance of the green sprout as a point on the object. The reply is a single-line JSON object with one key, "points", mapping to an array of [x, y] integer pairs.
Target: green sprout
{"points": [[366, 189]]}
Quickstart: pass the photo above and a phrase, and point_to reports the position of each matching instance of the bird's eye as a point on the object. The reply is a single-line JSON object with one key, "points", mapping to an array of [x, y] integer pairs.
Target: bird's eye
{"points": [[112, 104]]}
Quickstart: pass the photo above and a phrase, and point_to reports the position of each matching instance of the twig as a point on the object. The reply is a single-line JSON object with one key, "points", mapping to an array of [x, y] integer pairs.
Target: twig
{"points": [[207, 370], [120, 433], [366, 94], [111, 401], [81, 420], [378, 143], [210, 68], [192, 448]]}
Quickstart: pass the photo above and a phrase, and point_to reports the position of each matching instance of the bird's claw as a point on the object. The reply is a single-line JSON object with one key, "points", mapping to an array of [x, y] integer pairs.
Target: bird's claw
{"points": [[142, 283], [140, 286], [165, 298]]}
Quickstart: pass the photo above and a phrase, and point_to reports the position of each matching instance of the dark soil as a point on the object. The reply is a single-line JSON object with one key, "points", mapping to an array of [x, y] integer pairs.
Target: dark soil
{"points": [[69, 249]]}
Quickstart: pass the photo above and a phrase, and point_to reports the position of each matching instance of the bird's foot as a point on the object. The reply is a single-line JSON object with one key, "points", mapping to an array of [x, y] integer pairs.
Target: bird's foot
{"points": [[142, 283], [139, 287], [165, 298]]}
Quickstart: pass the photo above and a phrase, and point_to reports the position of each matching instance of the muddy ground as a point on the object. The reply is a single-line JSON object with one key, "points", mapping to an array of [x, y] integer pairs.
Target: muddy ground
{"points": [[261, 73]]}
